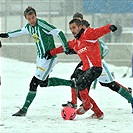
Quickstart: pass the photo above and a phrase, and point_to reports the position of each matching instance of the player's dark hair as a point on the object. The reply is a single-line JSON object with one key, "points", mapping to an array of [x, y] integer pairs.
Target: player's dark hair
{"points": [[77, 21], [77, 15], [29, 10], [85, 23]]}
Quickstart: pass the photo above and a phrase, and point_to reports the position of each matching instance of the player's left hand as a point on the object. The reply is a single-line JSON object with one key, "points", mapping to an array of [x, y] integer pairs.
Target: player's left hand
{"points": [[113, 28]]}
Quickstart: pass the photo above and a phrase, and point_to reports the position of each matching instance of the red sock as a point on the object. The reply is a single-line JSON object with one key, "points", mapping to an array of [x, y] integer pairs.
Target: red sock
{"points": [[85, 99], [74, 96], [95, 108]]}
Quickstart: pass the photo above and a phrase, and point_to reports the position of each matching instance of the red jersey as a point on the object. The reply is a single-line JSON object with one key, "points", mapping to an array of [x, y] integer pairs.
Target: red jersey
{"points": [[87, 46]]}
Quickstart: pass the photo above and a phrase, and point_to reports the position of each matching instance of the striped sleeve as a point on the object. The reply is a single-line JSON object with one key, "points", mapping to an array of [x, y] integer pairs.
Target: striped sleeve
{"points": [[50, 29], [18, 32]]}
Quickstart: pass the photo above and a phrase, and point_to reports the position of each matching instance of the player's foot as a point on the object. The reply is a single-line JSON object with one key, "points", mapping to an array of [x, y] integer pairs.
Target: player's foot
{"points": [[130, 90], [70, 104], [97, 116], [20, 113], [81, 111], [132, 105]]}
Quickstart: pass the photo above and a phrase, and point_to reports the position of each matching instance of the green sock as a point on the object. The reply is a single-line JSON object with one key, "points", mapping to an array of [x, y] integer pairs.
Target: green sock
{"points": [[94, 84], [123, 92], [59, 81], [29, 99]]}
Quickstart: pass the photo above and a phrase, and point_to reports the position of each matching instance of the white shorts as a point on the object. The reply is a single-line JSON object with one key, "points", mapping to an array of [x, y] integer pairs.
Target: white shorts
{"points": [[106, 76], [44, 67]]}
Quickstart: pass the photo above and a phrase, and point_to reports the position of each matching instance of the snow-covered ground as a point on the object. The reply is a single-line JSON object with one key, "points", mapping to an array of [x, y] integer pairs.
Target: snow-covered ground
{"points": [[44, 114]]}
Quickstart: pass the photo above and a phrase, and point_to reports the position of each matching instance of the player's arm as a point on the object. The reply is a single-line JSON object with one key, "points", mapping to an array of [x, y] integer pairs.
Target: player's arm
{"points": [[99, 32], [14, 33], [50, 53], [50, 29], [58, 33]]}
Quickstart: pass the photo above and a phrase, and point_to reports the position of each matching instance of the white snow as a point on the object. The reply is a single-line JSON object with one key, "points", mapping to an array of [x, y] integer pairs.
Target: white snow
{"points": [[44, 114]]}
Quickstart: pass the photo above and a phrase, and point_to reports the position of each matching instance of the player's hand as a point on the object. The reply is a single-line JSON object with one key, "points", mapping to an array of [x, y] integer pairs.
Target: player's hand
{"points": [[48, 55], [113, 28], [4, 35], [70, 52]]}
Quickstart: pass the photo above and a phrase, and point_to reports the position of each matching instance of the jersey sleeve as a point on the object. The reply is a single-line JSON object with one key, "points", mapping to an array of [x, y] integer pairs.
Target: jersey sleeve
{"points": [[55, 51], [95, 33], [19, 32], [60, 49], [58, 33], [50, 29]]}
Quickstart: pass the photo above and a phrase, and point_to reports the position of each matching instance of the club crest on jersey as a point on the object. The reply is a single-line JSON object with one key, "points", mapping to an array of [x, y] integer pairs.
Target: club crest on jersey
{"points": [[35, 37], [82, 50]]}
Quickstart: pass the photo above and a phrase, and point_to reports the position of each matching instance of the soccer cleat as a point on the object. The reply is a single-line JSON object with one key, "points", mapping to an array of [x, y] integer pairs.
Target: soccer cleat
{"points": [[130, 90], [97, 116], [70, 104], [80, 111], [20, 113]]}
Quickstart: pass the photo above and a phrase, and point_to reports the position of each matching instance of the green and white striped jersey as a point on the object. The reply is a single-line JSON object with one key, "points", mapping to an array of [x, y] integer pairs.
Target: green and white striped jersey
{"points": [[103, 48], [42, 34]]}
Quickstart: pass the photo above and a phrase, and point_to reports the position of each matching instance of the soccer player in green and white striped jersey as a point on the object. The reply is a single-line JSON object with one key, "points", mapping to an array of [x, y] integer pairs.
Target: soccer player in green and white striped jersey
{"points": [[42, 33]]}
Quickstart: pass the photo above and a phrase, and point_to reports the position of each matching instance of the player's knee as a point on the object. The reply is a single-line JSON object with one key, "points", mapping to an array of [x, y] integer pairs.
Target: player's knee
{"points": [[34, 84], [44, 83]]}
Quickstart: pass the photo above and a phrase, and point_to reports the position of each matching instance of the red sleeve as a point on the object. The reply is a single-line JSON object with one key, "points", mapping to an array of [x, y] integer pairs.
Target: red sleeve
{"points": [[60, 49], [55, 51], [71, 43], [95, 33]]}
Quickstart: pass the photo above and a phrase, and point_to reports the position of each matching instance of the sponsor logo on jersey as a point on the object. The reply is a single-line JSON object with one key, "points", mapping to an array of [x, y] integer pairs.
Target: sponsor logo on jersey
{"points": [[82, 50], [35, 37]]}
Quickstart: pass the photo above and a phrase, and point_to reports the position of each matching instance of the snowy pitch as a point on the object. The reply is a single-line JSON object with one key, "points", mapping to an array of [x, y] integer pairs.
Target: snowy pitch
{"points": [[44, 114]]}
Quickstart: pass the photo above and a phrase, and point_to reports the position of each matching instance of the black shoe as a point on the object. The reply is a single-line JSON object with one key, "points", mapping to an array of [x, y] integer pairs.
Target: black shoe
{"points": [[70, 104], [20, 113], [130, 90]]}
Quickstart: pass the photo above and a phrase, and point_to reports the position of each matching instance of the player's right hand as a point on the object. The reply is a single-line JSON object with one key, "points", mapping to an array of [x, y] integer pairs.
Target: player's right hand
{"points": [[4, 35]]}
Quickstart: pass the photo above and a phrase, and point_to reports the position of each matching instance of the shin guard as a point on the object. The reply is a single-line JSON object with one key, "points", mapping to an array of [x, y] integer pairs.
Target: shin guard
{"points": [[123, 92], [74, 96], [95, 108], [85, 99]]}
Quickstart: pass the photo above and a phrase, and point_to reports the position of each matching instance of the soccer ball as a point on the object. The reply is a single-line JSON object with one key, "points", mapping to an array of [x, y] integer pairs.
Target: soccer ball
{"points": [[68, 113]]}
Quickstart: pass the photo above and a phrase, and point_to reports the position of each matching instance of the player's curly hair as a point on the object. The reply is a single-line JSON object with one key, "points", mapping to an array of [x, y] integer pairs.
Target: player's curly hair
{"points": [[29, 10]]}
